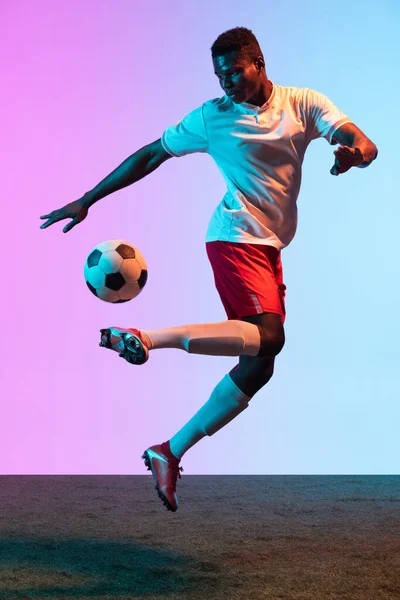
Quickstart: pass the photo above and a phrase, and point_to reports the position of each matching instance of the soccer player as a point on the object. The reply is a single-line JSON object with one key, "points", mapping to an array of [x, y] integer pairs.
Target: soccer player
{"points": [[257, 133]]}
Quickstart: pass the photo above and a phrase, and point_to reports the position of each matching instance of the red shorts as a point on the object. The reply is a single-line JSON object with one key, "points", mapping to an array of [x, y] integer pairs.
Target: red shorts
{"points": [[248, 278]]}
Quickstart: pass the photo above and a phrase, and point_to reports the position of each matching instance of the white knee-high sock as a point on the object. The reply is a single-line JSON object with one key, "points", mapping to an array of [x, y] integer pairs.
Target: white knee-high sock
{"points": [[225, 403], [227, 338]]}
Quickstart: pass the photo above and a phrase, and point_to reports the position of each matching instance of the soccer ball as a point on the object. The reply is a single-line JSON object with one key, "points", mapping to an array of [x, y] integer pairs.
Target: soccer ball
{"points": [[115, 271]]}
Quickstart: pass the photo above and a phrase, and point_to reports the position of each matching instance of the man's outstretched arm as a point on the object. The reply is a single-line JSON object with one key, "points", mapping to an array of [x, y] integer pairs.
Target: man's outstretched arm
{"points": [[356, 149], [135, 167]]}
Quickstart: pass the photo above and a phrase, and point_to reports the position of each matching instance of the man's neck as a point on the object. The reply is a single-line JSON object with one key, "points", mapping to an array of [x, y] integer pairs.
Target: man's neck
{"points": [[263, 94]]}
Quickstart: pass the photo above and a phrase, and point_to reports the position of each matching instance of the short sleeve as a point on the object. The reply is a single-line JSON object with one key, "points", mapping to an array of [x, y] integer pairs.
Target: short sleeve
{"points": [[322, 116], [187, 136]]}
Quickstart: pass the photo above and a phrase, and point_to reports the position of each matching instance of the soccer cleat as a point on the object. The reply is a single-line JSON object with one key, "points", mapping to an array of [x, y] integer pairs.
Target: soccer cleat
{"points": [[129, 343], [165, 468]]}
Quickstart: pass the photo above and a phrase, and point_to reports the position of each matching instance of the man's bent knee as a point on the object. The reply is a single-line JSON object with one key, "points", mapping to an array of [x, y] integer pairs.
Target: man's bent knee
{"points": [[271, 330], [272, 342]]}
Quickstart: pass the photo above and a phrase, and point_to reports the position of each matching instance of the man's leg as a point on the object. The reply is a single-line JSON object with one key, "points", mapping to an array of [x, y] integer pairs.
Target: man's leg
{"points": [[257, 335], [233, 393], [247, 372], [263, 337], [226, 402]]}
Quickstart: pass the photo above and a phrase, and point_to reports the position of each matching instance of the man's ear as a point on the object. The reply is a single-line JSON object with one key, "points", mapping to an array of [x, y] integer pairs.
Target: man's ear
{"points": [[260, 64]]}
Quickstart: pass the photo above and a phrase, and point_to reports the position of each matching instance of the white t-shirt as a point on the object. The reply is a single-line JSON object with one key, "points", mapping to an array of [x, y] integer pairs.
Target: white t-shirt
{"points": [[259, 151]]}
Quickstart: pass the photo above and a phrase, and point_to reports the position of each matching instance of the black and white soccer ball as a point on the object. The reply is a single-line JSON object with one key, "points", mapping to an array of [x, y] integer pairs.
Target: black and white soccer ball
{"points": [[115, 271]]}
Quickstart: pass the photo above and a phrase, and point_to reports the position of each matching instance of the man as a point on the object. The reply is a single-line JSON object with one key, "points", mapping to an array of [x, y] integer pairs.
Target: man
{"points": [[257, 133]]}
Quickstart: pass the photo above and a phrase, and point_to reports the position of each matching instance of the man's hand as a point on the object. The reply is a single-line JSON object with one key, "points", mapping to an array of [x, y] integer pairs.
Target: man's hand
{"points": [[345, 158], [77, 211]]}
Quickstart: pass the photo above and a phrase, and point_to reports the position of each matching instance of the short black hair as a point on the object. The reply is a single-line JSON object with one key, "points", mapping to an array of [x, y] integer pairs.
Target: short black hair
{"points": [[240, 39]]}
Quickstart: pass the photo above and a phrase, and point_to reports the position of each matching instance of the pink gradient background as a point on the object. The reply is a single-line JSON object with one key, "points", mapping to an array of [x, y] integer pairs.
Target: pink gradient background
{"points": [[87, 84]]}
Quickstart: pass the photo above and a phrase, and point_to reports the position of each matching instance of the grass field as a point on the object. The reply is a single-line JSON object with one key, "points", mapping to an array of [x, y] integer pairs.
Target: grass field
{"points": [[233, 537]]}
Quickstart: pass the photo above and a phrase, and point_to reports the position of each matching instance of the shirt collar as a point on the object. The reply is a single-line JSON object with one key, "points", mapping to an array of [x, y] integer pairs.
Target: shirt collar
{"points": [[248, 108]]}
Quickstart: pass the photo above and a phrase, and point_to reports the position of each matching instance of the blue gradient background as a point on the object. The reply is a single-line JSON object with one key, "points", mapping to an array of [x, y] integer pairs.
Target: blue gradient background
{"points": [[86, 85]]}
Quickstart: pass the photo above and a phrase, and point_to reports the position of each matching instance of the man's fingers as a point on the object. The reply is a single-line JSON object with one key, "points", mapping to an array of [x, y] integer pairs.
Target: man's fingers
{"points": [[70, 225], [52, 217], [46, 224], [345, 158], [344, 150]]}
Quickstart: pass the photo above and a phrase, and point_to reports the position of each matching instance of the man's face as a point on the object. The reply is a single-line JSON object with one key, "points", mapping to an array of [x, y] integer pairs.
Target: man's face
{"points": [[238, 77]]}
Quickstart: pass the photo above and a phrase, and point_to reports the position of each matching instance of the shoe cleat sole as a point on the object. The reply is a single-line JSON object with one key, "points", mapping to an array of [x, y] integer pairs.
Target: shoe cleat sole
{"points": [[133, 351]]}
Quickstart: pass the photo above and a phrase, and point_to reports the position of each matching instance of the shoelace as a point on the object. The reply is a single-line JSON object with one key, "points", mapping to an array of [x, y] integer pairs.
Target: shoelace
{"points": [[178, 469], [172, 467], [174, 464]]}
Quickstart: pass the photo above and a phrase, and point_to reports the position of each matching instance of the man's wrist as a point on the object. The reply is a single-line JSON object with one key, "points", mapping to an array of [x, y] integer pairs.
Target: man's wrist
{"points": [[368, 159], [87, 199]]}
